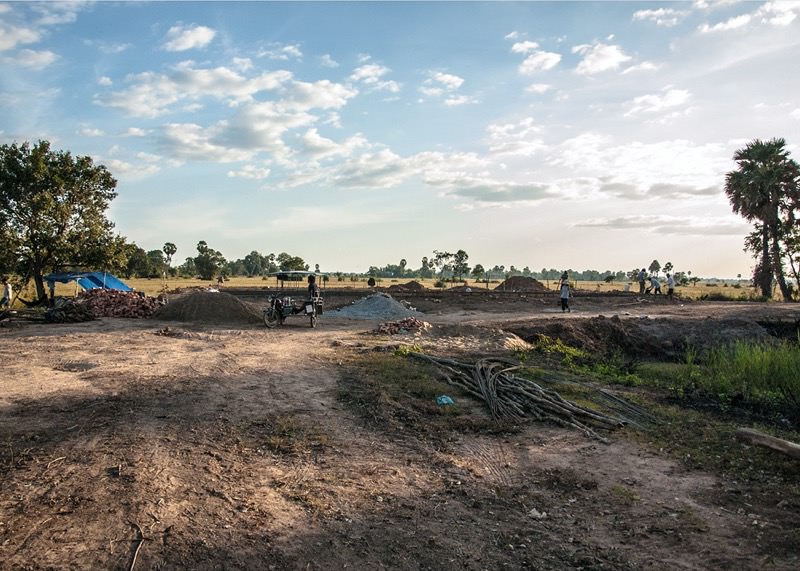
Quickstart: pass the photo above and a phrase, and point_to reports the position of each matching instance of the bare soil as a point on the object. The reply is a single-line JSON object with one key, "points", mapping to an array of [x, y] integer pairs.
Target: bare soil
{"points": [[196, 441]]}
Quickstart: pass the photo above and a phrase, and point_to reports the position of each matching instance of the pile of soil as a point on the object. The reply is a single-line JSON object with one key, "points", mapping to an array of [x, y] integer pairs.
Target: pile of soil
{"points": [[522, 283], [375, 306], [410, 286], [209, 308]]}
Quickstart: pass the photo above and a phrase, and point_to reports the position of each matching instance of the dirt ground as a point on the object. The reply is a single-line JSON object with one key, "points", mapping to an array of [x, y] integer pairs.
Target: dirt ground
{"points": [[162, 444]]}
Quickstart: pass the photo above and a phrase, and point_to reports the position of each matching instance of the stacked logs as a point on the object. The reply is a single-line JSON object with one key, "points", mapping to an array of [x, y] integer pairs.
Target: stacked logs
{"points": [[115, 303], [68, 311], [402, 326], [513, 399]]}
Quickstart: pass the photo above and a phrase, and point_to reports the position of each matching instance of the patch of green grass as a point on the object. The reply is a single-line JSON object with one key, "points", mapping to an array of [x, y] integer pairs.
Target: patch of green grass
{"points": [[754, 373]]}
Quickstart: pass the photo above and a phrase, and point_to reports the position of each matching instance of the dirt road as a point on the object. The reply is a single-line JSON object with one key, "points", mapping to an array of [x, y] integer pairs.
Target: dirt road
{"points": [[154, 444]]}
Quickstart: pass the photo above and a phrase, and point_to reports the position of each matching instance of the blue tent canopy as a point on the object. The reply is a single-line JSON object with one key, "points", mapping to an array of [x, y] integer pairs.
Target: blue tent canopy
{"points": [[89, 280]]}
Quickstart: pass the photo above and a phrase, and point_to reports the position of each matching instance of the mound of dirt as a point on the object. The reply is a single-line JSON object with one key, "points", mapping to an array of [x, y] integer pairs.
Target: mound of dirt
{"points": [[522, 283], [375, 306], [410, 286], [209, 308]]}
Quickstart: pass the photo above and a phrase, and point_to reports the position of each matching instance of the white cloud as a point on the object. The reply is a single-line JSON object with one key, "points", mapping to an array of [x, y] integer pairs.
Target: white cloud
{"points": [[441, 84], [795, 114], [667, 17], [327, 61], [105, 81], [731, 24], [454, 100], [538, 88], [371, 75], [251, 172], [449, 80], [32, 59], [520, 139], [525, 47], [135, 132], [669, 225], [778, 13], [641, 67], [55, 13], [124, 169], [599, 58], [91, 132], [188, 141], [182, 38], [539, 61], [536, 59], [316, 147], [668, 99], [283, 53], [153, 94], [11, 37], [383, 169], [640, 169]]}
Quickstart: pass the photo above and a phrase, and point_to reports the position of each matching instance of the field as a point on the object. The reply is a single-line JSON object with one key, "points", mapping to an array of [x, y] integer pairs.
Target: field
{"points": [[215, 443], [732, 289]]}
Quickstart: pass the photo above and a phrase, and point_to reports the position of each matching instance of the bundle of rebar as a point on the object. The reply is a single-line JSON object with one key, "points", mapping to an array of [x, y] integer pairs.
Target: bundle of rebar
{"points": [[511, 398]]}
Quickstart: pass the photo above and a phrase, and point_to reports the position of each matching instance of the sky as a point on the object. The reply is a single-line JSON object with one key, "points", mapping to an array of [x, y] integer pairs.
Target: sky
{"points": [[566, 135]]}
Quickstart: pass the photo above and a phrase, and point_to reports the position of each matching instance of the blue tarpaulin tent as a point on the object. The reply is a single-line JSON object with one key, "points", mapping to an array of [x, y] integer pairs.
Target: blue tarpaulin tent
{"points": [[88, 280]]}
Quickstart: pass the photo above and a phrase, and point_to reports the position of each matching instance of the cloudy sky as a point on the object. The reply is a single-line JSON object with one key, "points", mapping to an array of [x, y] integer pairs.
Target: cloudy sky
{"points": [[582, 135]]}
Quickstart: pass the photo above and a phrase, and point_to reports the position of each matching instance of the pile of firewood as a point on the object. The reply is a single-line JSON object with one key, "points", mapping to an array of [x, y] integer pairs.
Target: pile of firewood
{"points": [[402, 326], [513, 399], [68, 311], [114, 303]]}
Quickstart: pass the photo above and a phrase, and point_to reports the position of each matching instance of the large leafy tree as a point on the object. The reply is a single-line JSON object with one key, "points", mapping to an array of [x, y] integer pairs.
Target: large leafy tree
{"points": [[765, 189], [53, 212], [208, 261]]}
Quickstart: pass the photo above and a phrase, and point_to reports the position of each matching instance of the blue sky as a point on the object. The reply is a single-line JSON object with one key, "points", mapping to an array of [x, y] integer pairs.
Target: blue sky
{"points": [[583, 135]]}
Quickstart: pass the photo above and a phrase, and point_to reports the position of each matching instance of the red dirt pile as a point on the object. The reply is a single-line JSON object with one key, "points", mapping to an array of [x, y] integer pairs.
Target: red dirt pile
{"points": [[522, 283], [410, 286]]}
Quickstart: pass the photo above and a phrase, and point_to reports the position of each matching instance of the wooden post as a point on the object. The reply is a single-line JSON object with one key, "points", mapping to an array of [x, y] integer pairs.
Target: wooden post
{"points": [[767, 441]]}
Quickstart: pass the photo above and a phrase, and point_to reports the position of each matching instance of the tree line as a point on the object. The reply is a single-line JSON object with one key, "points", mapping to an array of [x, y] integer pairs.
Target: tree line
{"points": [[53, 218]]}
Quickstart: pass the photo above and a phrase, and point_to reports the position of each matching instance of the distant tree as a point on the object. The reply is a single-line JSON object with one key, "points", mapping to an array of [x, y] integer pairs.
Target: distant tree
{"points": [[208, 261], [460, 267], [765, 189], [155, 263], [441, 262], [478, 272], [187, 268], [668, 267], [169, 250], [255, 264], [53, 212], [138, 264], [288, 263], [403, 264], [654, 267]]}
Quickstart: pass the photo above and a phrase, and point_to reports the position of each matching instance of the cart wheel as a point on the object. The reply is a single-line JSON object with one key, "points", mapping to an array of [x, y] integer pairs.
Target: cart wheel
{"points": [[270, 318], [313, 321]]}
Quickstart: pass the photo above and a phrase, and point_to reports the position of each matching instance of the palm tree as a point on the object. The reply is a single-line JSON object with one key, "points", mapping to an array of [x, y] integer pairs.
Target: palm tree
{"points": [[763, 188]]}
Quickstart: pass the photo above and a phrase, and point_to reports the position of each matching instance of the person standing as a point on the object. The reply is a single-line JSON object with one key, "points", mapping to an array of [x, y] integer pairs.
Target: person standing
{"points": [[670, 286], [641, 276], [5, 301], [564, 295]]}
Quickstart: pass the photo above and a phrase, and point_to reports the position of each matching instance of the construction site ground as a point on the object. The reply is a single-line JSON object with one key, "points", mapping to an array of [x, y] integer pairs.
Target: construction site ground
{"points": [[198, 441]]}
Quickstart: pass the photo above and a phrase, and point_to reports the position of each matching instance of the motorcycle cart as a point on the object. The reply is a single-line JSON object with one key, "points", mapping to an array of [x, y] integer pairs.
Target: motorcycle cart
{"points": [[282, 306]]}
